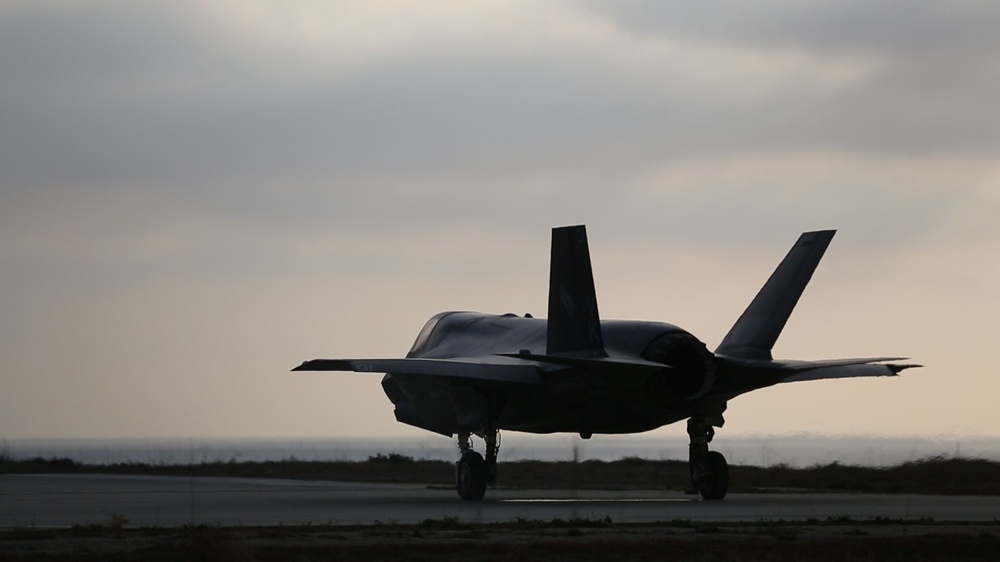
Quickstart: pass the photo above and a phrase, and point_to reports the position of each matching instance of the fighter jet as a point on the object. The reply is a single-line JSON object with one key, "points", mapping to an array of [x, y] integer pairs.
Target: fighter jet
{"points": [[477, 374]]}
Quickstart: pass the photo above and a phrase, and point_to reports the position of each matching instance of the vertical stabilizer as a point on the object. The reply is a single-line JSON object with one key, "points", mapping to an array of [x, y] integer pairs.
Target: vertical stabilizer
{"points": [[574, 326], [754, 334]]}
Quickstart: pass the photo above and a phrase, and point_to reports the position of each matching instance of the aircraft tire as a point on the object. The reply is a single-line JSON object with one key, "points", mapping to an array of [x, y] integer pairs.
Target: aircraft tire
{"points": [[470, 476], [715, 484]]}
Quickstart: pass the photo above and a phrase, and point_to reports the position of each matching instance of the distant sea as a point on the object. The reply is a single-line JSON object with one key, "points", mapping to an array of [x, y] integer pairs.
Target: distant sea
{"points": [[798, 450]]}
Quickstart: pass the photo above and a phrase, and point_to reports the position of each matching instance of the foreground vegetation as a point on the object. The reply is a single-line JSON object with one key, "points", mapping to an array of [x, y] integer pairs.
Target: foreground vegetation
{"points": [[554, 541], [937, 475]]}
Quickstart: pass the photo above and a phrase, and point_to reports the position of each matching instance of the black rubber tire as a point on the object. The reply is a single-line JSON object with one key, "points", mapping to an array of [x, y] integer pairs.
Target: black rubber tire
{"points": [[714, 484], [470, 476]]}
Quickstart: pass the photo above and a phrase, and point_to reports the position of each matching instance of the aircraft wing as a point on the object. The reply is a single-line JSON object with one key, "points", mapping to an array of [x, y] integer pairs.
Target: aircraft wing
{"points": [[493, 369], [843, 368]]}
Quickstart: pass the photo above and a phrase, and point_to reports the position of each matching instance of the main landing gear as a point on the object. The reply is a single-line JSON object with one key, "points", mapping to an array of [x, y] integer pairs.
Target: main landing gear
{"points": [[472, 471], [709, 471]]}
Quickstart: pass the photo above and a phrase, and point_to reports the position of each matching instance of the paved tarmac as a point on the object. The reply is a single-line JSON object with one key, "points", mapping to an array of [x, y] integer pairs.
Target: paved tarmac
{"points": [[51, 500]]}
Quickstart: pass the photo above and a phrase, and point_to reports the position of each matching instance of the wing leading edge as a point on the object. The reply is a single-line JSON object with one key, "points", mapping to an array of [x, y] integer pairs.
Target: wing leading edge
{"points": [[501, 370]]}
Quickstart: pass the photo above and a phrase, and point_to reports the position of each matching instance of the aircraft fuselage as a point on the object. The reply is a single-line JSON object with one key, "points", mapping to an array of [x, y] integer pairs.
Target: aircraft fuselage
{"points": [[572, 399]]}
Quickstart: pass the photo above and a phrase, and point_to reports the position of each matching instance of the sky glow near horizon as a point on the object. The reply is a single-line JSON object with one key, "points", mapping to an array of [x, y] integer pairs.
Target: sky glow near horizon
{"points": [[197, 196]]}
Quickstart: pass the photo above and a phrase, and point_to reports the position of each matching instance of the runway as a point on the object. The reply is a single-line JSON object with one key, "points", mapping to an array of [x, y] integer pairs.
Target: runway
{"points": [[49, 500]]}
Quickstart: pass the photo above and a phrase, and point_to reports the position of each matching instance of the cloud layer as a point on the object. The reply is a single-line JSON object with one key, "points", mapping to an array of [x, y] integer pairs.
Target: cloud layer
{"points": [[196, 196]]}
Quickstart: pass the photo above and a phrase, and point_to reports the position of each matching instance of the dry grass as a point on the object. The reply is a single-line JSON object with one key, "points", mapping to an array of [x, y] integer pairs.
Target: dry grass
{"points": [[938, 475]]}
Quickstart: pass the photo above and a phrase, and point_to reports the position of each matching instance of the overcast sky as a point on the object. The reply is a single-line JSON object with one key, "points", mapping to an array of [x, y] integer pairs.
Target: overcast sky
{"points": [[197, 196]]}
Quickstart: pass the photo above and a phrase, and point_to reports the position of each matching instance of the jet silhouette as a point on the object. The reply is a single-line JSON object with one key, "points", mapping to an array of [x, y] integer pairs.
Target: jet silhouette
{"points": [[476, 374]]}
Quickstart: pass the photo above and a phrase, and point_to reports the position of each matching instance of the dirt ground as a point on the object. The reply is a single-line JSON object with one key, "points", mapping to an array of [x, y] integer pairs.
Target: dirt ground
{"points": [[571, 541]]}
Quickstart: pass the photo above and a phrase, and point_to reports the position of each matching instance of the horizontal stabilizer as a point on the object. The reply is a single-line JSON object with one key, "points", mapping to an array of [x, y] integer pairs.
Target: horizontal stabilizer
{"points": [[795, 371], [754, 334], [847, 368], [503, 371]]}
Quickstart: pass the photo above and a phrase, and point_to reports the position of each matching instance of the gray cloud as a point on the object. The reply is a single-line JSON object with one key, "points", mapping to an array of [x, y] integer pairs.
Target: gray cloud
{"points": [[124, 94], [939, 71], [957, 28]]}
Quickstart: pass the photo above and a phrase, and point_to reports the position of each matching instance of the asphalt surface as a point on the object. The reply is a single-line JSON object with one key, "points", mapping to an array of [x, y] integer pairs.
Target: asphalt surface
{"points": [[49, 500]]}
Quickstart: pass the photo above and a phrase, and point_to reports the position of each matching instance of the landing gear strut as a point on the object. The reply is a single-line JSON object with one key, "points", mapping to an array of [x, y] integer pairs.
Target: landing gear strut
{"points": [[472, 471], [709, 471]]}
